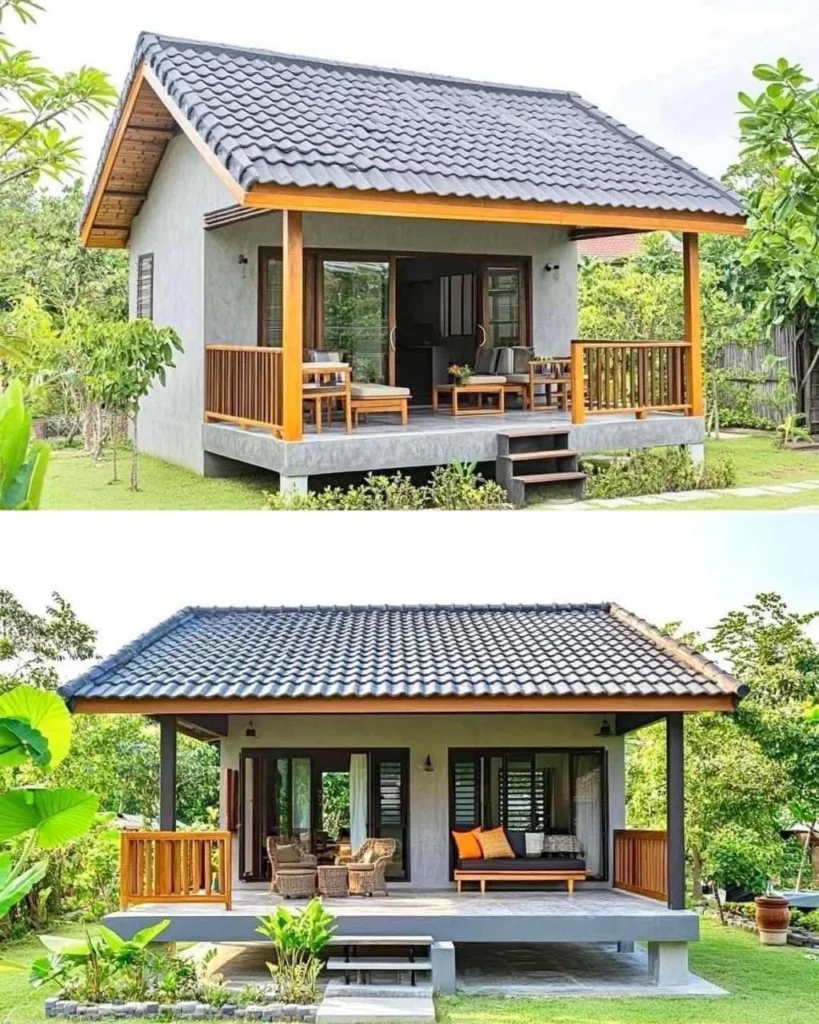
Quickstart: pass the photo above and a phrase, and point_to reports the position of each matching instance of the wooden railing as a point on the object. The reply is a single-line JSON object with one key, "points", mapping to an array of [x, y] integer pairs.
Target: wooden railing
{"points": [[630, 376], [175, 867], [243, 384], [640, 862]]}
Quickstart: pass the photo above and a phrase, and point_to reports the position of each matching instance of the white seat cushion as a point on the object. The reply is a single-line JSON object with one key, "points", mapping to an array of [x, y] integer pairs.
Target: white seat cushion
{"points": [[377, 391], [517, 378], [486, 378]]}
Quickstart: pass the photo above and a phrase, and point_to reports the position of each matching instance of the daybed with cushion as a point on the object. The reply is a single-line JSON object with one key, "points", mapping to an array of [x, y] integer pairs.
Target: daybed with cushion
{"points": [[364, 397], [503, 859]]}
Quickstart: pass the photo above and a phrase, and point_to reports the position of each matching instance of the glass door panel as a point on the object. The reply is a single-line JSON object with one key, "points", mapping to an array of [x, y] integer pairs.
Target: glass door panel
{"points": [[587, 775], [271, 306], [502, 306], [355, 315], [301, 769], [390, 805]]}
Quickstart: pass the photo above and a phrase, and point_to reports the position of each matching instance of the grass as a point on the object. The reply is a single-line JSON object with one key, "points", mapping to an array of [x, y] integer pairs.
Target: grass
{"points": [[75, 482], [758, 462], [767, 985]]}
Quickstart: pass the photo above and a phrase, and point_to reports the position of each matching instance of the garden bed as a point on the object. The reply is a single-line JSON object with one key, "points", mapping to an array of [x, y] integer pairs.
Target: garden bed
{"points": [[741, 918], [185, 1010]]}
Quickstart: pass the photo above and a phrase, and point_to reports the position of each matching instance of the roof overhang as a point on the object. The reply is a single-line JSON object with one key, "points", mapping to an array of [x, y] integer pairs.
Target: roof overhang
{"points": [[148, 117], [187, 706]]}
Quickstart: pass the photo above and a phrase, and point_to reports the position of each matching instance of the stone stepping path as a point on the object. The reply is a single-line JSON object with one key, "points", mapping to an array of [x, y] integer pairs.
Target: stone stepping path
{"points": [[377, 1008], [681, 497]]}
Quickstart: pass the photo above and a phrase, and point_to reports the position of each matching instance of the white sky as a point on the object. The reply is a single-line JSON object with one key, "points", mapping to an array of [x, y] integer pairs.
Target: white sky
{"points": [[670, 70], [125, 572]]}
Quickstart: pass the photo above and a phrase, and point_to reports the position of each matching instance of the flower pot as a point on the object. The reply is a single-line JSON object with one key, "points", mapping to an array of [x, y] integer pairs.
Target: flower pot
{"points": [[772, 918]]}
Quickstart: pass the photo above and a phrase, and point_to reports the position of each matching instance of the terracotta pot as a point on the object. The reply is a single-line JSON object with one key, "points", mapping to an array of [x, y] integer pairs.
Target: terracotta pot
{"points": [[773, 916]]}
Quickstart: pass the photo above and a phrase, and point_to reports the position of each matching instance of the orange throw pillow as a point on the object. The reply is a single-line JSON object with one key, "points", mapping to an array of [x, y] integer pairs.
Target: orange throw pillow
{"points": [[495, 844], [468, 845]]}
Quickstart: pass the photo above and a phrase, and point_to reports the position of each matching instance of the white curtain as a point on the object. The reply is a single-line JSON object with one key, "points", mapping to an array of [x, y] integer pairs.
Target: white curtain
{"points": [[589, 811], [359, 803]]}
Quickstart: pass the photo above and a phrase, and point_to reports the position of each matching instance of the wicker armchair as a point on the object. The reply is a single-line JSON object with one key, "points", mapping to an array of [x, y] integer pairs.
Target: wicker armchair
{"points": [[368, 866], [279, 863]]}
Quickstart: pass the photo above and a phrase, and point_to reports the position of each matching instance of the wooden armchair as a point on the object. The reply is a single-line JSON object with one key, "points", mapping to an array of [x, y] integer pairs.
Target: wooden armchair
{"points": [[286, 852], [368, 866]]}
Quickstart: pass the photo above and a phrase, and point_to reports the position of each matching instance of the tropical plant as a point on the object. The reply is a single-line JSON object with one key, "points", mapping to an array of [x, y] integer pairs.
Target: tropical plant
{"points": [[35, 104], [298, 937], [736, 856], [791, 430], [22, 463], [35, 726], [132, 358], [654, 471]]}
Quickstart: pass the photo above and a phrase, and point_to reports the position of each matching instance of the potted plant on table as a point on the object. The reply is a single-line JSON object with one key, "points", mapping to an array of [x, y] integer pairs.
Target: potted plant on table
{"points": [[460, 374]]}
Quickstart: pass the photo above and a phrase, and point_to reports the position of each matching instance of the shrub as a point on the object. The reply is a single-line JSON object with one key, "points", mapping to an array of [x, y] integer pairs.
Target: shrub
{"points": [[298, 938], [458, 486], [654, 471]]}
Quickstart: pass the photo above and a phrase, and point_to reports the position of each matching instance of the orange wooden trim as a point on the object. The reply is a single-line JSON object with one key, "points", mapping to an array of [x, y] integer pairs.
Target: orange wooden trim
{"points": [[193, 135], [315, 199], [111, 156], [578, 383], [293, 324], [175, 867], [631, 344], [692, 319], [397, 705]]}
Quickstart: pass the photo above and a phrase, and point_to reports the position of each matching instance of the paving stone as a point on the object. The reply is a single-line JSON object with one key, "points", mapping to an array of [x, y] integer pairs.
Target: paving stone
{"points": [[359, 1010]]}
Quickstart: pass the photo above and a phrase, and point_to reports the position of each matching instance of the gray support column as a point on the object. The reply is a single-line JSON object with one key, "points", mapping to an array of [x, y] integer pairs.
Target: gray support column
{"points": [[668, 963], [675, 789], [167, 773], [442, 955]]}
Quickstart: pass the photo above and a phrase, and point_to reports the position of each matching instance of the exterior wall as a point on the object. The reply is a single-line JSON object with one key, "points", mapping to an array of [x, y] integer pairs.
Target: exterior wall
{"points": [[231, 288], [169, 225], [434, 735]]}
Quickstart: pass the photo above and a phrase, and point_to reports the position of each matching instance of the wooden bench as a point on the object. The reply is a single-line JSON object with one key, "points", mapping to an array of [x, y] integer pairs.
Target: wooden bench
{"points": [[569, 877]]}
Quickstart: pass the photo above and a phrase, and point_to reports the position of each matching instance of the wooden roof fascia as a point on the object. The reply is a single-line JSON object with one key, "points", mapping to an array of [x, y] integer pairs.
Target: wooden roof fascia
{"points": [[113, 151], [326, 199], [186, 706]]}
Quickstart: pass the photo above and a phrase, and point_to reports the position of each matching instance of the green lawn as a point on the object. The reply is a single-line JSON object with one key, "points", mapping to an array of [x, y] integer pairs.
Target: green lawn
{"points": [[757, 461], [767, 985], [74, 482]]}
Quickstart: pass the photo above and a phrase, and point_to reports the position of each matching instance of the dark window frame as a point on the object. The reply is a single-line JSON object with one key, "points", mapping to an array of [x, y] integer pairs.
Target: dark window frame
{"points": [[145, 259], [482, 756]]}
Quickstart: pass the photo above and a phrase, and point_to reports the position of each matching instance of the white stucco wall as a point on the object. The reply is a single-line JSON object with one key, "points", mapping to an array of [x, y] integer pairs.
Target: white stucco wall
{"points": [[230, 292], [169, 225], [433, 735]]}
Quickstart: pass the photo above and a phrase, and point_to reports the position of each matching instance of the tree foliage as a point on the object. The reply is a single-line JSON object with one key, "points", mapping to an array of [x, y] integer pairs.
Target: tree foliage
{"points": [[36, 104]]}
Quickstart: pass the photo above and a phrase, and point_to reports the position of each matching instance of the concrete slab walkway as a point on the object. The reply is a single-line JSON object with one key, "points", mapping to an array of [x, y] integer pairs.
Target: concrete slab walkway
{"points": [[681, 497]]}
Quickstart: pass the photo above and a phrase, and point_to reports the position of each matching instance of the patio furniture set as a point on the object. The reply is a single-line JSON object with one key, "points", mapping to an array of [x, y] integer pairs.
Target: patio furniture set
{"points": [[540, 383], [297, 873], [506, 855]]}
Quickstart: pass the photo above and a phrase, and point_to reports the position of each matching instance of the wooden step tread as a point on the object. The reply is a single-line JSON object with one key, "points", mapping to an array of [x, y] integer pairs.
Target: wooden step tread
{"points": [[381, 940], [338, 963], [550, 478], [556, 453]]}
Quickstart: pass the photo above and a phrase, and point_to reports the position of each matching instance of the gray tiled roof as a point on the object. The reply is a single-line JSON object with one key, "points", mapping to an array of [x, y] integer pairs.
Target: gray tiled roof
{"points": [[388, 651], [287, 120]]}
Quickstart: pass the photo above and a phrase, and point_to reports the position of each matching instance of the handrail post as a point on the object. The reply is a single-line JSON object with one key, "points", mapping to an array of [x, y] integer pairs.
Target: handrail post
{"points": [[124, 870], [577, 375], [293, 324]]}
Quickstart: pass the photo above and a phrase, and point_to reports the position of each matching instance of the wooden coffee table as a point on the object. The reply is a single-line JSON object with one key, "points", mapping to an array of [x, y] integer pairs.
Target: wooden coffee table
{"points": [[456, 390]]}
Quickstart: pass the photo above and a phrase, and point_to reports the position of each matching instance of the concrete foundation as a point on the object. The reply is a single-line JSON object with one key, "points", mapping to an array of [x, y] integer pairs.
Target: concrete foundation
{"points": [[293, 484], [697, 452], [443, 966], [668, 963]]}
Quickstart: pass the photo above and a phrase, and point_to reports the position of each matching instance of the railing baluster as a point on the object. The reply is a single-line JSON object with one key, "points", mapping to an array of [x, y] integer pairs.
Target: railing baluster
{"points": [[640, 862], [183, 867], [243, 384]]}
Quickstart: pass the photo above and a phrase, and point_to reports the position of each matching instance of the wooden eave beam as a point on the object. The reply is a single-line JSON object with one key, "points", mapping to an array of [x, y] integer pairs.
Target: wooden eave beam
{"points": [[185, 707], [628, 721], [581, 234], [316, 199]]}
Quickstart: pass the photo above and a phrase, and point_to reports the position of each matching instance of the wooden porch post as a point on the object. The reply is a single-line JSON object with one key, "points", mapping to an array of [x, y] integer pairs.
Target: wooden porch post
{"points": [[675, 790], [692, 320], [167, 773], [293, 323]]}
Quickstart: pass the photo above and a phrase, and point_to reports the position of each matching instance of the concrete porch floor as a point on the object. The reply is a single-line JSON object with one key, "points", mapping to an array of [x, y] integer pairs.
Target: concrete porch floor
{"points": [[434, 439]]}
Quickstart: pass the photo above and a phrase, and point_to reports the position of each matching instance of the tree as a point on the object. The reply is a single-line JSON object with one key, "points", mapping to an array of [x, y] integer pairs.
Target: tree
{"points": [[780, 136], [35, 104], [133, 356]]}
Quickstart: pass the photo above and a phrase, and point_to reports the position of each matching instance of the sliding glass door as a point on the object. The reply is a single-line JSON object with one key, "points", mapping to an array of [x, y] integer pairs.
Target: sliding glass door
{"points": [[552, 791], [325, 799], [355, 315]]}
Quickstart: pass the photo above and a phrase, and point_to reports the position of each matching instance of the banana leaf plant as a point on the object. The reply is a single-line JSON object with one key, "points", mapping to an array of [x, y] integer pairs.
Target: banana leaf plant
{"points": [[35, 727], [22, 463]]}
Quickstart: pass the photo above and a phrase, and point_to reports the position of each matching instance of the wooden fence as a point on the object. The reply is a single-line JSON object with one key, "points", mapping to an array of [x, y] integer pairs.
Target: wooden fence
{"points": [[640, 862], [175, 867], [630, 376], [745, 365], [243, 384]]}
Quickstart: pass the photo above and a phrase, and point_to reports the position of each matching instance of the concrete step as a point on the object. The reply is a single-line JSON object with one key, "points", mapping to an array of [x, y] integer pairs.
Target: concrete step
{"points": [[381, 940], [550, 478], [362, 1010], [376, 989], [555, 453], [535, 432], [385, 963]]}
